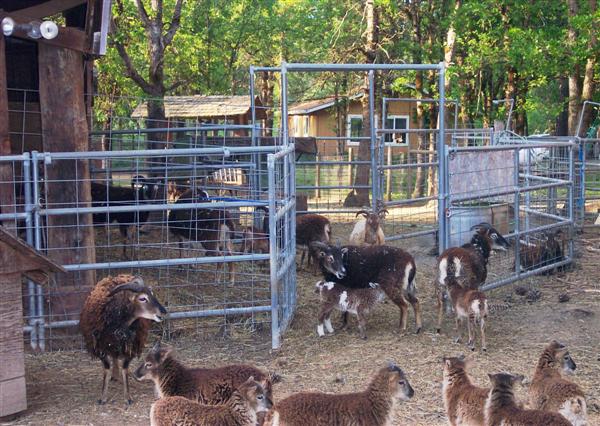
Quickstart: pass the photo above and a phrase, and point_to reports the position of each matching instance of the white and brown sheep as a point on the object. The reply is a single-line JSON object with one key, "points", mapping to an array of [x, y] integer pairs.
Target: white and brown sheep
{"points": [[471, 306], [467, 263], [114, 322], [391, 267], [241, 409], [373, 406], [550, 391], [357, 301], [368, 231]]}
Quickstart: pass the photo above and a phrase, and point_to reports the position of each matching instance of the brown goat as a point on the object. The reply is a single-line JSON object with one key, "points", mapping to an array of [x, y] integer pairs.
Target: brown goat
{"points": [[470, 305], [310, 228], [254, 240], [359, 301], [114, 323], [239, 410], [205, 385], [373, 407], [501, 408], [468, 262], [551, 392], [368, 231], [542, 254], [464, 402]]}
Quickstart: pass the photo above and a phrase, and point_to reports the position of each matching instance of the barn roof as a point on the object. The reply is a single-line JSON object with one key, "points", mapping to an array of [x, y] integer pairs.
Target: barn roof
{"points": [[313, 105], [200, 106]]}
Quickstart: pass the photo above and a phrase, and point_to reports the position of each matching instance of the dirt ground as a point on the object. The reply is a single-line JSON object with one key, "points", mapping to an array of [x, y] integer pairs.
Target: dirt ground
{"points": [[63, 386]]}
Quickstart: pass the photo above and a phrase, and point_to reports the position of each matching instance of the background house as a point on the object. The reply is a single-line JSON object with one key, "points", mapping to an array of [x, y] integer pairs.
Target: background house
{"points": [[193, 110], [317, 118]]}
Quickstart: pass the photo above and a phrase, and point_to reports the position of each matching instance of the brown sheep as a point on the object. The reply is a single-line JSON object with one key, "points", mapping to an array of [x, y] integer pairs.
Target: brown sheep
{"points": [[373, 406], [205, 385], [239, 410], [501, 408], [464, 402], [114, 322], [552, 392]]}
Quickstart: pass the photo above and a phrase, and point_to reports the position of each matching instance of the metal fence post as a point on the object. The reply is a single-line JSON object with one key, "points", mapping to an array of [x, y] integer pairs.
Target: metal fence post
{"points": [[571, 198], [31, 286], [443, 177], [39, 319], [373, 135], [517, 214], [273, 236]]}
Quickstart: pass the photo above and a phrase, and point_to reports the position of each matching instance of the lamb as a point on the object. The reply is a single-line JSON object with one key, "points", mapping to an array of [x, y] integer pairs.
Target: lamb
{"points": [[254, 240], [464, 402], [542, 254], [359, 301], [373, 406], [368, 231], [311, 228], [212, 228], [551, 392], [355, 267], [239, 410], [470, 305], [114, 323], [205, 385], [501, 408], [468, 262], [103, 195]]}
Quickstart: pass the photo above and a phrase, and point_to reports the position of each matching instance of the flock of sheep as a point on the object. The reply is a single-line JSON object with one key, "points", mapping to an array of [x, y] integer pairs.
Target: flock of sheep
{"points": [[117, 315]]}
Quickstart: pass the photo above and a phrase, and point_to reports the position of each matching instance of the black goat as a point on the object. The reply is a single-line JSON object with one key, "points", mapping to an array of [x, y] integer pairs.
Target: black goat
{"points": [[142, 191], [212, 228], [356, 267]]}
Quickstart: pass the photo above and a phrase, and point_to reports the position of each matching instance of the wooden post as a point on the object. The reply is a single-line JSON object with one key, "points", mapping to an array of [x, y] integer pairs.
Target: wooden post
{"points": [[350, 166], [318, 175], [388, 179], [7, 199], [64, 128]]}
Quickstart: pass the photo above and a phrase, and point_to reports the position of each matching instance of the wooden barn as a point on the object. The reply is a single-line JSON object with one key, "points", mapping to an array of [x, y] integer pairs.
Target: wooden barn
{"points": [[17, 260], [47, 50]]}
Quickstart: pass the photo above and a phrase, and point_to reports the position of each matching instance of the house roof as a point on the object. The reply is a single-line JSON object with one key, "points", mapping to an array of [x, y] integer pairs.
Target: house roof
{"points": [[200, 106], [20, 246], [308, 107]]}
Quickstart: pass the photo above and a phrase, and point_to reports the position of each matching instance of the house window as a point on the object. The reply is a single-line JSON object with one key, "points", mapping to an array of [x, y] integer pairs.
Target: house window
{"points": [[396, 122], [354, 126], [306, 125]]}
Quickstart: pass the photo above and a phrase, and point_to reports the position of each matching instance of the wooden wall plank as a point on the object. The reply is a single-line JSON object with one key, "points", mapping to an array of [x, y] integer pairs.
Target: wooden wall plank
{"points": [[11, 327], [12, 396], [7, 199], [65, 128]]}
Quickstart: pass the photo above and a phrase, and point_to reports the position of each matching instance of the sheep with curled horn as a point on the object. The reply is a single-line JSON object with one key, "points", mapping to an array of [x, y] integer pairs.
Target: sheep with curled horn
{"points": [[114, 322], [367, 231]]}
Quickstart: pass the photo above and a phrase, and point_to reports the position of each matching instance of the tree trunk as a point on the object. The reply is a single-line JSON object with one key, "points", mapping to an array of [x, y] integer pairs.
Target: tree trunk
{"points": [[589, 85], [266, 98], [562, 121], [420, 174], [370, 52], [575, 74], [449, 51]]}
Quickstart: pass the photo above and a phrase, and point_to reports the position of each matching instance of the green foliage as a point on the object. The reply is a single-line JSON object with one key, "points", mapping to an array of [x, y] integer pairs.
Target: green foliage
{"points": [[219, 39]]}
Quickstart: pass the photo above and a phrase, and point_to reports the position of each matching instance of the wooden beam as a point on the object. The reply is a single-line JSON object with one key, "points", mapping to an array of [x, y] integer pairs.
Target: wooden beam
{"points": [[36, 260], [7, 197], [69, 38], [49, 8], [64, 128]]}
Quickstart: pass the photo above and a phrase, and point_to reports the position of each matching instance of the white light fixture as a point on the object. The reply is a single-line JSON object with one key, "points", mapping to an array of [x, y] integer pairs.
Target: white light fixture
{"points": [[49, 30], [34, 29], [8, 26]]}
